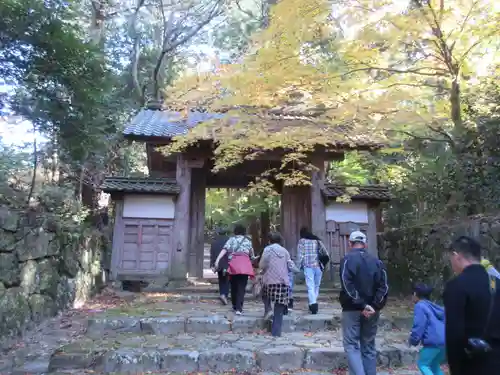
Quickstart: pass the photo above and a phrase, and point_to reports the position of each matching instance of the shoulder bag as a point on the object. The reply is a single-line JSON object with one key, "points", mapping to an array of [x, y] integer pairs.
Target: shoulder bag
{"points": [[323, 257]]}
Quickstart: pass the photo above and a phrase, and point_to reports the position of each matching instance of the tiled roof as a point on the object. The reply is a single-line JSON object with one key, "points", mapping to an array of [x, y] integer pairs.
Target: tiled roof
{"points": [[168, 124], [140, 185], [373, 192]]}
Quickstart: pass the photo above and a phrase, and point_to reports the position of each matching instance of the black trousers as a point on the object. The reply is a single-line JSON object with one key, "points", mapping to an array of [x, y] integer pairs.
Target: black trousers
{"points": [[279, 311], [223, 283], [238, 286]]}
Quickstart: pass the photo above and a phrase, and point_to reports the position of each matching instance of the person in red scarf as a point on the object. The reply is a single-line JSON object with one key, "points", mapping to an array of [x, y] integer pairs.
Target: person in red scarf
{"points": [[240, 256]]}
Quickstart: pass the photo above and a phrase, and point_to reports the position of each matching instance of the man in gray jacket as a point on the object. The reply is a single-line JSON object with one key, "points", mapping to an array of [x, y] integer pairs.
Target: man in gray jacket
{"points": [[364, 293], [222, 275]]}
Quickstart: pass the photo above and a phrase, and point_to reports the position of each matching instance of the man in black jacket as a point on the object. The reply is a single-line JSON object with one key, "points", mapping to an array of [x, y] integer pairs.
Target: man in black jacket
{"points": [[467, 302], [215, 249], [364, 293]]}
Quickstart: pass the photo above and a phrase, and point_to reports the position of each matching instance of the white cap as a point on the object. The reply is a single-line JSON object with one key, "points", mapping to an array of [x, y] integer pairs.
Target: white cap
{"points": [[357, 236]]}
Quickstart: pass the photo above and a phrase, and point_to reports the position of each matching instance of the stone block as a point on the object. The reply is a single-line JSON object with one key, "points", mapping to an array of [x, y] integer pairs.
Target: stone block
{"points": [[9, 219], [15, 312], [73, 359], [40, 277], [208, 324], [163, 326], [325, 359], [65, 293], [403, 323], [408, 356], [96, 327], [313, 323], [288, 324], [247, 324], [280, 359], [385, 323], [226, 359], [180, 361], [8, 241], [69, 256], [9, 269], [133, 361], [38, 244], [41, 306], [38, 366], [395, 356]]}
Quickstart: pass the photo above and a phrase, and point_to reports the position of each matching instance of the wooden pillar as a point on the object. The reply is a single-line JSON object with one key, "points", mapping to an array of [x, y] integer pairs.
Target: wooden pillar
{"points": [[197, 223], [118, 232], [371, 233], [180, 255], [295, 213], [318, 210]]}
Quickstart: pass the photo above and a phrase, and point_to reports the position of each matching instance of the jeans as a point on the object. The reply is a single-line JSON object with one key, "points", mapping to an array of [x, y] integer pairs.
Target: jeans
{"points": [[430, 360], [238, 287], [279, 312], [359, 342], [223, 283], [313, 280]]}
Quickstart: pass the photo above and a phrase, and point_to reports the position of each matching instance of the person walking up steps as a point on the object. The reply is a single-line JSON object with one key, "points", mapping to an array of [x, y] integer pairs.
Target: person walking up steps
{"points": [[363, 294], [276, 265], [428, 330], [240, 256], [310, 249], [223, 277]]}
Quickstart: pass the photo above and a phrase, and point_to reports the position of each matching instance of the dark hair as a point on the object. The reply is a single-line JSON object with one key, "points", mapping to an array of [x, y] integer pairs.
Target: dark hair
{"points": [[221, 231], [275, 237], [422, 291], [307, 234], [239, 230], [468, 247]]}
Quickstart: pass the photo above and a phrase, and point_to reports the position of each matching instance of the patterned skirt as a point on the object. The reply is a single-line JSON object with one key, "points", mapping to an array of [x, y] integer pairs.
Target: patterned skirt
{"points": [[277, 293]]}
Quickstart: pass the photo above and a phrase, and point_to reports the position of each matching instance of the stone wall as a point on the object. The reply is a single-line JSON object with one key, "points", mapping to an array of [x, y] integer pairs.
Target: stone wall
{"points": [[419, 253], [46, 265]]}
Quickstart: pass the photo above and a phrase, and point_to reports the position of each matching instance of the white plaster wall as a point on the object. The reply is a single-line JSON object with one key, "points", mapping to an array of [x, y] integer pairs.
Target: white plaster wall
{"points": [[345, 212], [149, 206]]}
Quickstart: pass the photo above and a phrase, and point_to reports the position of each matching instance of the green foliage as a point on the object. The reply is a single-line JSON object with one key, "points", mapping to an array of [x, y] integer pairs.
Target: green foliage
{"points": [[227, 207]]}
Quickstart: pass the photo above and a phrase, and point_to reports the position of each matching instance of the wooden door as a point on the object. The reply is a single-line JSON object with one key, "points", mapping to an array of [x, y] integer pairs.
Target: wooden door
{"points": [[337, 243], [147, 246]]}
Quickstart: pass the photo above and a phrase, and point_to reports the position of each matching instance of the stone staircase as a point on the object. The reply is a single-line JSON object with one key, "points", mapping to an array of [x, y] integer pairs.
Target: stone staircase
{"points": [[158, 333]]}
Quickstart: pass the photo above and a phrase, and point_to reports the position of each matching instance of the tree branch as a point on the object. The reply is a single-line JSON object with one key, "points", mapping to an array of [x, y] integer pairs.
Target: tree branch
{"points": [[171, 43]]}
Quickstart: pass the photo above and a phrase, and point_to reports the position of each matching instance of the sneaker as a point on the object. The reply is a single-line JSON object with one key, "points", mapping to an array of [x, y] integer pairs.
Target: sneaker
{"points": [[239, 313], [268, 315], [290, 304], [223, 299]]}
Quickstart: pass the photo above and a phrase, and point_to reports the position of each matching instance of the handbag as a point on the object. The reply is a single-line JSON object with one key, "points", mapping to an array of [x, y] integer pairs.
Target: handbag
{"points": [[257, 286], [478, 346], [323, 258]]}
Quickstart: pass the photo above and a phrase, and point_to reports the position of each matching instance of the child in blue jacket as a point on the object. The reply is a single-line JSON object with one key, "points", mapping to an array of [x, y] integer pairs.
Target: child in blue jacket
{"points": [[428, 330]]}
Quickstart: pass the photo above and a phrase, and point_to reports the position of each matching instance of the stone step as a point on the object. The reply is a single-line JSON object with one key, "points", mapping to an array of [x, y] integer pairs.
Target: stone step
{"points": [[185, 297], [167, 324], [218, 353], [212, 288]]}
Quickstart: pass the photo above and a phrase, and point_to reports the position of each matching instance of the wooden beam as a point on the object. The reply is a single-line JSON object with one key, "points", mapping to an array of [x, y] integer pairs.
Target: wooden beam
{"points": [[118, 233], [372, 229], [197, 222], [318, 209], [180, 255]]}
